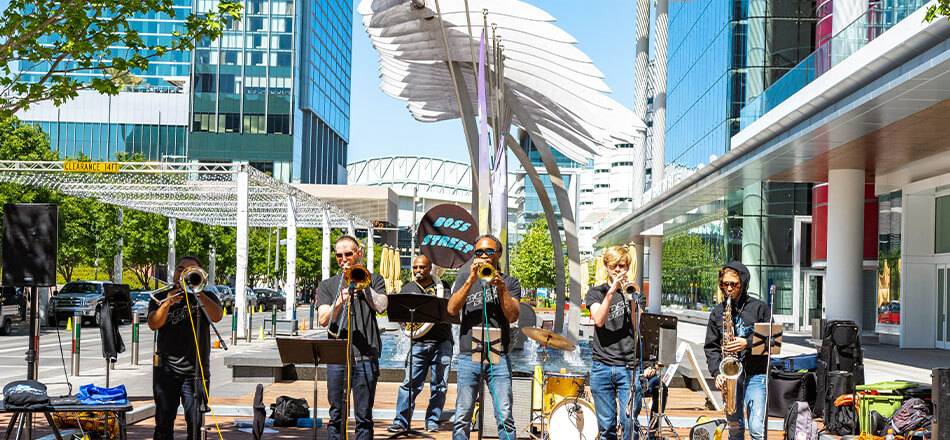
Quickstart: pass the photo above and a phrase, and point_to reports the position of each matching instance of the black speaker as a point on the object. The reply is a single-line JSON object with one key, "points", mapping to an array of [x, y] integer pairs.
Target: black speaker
{"points": [[520, 408], [941, 398], [29, 244]]}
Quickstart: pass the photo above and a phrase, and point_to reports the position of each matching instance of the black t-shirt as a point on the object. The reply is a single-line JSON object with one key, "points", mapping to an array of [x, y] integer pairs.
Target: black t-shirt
{"points": [[175, 338], [471, 314], [439, 332], [366, 340], [616, 342]]}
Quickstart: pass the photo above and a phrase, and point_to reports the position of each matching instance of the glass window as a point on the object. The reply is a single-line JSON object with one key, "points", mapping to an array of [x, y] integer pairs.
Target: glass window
{"points": [[942, 241]]}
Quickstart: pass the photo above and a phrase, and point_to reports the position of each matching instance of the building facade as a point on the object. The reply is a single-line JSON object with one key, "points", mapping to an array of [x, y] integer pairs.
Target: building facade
{"points": [[273, 90], [832, 184]]}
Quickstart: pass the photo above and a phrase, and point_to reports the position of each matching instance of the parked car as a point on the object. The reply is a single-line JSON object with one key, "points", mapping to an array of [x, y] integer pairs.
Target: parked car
{"points": [[140, 299], [226, 295], [11, 302], [85, 298], [270, 298]]}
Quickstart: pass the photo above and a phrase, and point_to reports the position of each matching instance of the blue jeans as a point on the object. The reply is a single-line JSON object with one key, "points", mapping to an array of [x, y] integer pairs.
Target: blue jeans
{"points": [[500, 387], [363, 382], [751, 394], [426, 356], [610, 386]]}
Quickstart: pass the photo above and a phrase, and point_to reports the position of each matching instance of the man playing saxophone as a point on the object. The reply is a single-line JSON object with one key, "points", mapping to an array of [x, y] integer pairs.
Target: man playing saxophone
{"points": [[728, 347], [368, 292]]}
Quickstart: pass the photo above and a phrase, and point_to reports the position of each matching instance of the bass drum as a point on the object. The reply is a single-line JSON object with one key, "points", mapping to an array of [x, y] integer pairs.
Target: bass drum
{"points": [[572, 419]]}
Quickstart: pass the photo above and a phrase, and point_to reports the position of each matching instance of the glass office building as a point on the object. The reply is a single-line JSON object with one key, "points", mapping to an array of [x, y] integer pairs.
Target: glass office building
{"points": [[273, 90], [722, 53], [531, 208]]}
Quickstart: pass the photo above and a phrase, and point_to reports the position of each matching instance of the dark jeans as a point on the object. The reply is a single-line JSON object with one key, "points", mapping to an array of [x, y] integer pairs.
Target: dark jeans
{"points": [[363, 383], [170, 389], [426, 356]]}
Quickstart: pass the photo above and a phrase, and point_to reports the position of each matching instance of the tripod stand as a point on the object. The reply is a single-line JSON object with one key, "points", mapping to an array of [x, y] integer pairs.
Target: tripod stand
{"points": [[659, 345]]}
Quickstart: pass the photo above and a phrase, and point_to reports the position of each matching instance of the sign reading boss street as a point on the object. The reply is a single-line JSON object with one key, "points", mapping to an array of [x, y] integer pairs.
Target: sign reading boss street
{"points": [[447, 235]]}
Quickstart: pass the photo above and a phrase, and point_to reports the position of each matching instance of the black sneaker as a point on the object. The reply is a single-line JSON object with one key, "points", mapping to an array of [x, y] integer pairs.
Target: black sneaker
{"points": [[395, 427]]}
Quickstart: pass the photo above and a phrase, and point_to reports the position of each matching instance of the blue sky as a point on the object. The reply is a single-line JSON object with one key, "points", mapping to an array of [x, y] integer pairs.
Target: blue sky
{"points": [[381, 125]]}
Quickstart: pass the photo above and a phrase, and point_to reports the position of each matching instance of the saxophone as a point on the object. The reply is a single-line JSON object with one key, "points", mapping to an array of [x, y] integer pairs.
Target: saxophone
{"points": [[730, 366]]}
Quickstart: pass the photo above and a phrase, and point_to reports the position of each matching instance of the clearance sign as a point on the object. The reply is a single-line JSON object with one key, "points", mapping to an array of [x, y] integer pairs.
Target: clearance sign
{"points": [[72, 166]]}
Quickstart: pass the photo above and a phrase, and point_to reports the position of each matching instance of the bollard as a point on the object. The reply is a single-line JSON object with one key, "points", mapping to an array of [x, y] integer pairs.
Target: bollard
{"points": [[135, 339], [234, 328], [311, 315], [250, 322], [77, 334], [273, 321]]}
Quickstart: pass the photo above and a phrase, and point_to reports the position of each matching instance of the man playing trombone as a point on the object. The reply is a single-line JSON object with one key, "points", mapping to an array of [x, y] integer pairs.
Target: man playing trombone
{"points": [[176, 363], [358, 294]]}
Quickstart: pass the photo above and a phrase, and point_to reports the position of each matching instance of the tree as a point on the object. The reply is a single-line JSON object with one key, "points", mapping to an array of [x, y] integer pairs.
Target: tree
{"points": [[145, 243], [87, 234], [940, 8], [19, 141], [690, 269], [64, 37], [533, 259]]}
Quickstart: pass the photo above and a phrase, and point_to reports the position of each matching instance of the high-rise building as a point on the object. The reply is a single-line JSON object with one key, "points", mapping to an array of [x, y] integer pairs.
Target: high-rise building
{"points": [[273, 90]]}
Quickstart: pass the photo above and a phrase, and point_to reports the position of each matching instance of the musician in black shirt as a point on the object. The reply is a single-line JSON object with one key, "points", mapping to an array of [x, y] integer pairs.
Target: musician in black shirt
{"points": [[430, 350], [332, 295]]}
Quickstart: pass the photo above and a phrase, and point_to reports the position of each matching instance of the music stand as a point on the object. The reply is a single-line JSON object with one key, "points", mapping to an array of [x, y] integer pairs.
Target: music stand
{"points": [[414, 308], [659, 345], [312, 351]]}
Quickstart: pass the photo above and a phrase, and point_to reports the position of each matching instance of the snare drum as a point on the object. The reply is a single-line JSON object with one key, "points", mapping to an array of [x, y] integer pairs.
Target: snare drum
{"points": [[572, 419], [558, 386]]}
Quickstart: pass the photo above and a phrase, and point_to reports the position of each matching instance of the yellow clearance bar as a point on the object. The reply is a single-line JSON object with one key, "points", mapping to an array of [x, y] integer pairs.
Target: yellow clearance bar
{"points": [[73, 166]]}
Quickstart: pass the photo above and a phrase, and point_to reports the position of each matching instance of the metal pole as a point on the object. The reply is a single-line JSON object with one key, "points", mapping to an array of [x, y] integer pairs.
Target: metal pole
{"points": [[77, 333], [249, 322], [234, 327], [240, 282], [290, 285], [312, 300], [273, 320], [135, 339]]}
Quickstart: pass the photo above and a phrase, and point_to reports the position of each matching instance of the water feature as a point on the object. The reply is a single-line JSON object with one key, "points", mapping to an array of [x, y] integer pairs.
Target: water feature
{"points": [[396, 346]]}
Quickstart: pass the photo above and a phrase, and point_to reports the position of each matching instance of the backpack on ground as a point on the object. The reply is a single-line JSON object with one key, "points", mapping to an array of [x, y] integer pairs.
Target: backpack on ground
{"points": [[913, 414], [840, 351], [800, 423], [287, 410], [708, 429], [842, 420]]}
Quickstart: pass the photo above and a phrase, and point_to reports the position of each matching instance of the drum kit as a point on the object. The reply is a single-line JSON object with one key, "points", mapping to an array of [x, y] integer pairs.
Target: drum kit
{"points": [[563, 409]]}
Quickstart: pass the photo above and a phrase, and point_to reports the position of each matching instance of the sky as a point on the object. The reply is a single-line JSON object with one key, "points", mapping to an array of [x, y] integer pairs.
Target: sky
{"points": [[382, 126]]}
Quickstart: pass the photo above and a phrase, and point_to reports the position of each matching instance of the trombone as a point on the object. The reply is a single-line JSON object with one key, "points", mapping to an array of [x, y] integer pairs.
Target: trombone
{"points": [[192, 280], [357, 277]]}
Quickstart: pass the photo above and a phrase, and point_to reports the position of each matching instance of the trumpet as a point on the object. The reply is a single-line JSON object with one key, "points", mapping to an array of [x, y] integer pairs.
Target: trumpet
{"points": [[486, 272], [192, 280], [629, 288], [357, 277]]}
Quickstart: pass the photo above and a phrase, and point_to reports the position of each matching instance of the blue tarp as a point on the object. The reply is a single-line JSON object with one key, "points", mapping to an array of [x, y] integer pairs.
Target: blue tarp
{"points": [[93, 395]]}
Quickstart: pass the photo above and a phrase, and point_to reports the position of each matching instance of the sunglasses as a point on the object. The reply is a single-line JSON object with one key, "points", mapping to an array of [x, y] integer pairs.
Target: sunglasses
{"points": [[487, 252], [420, 267], [729, 285], [345, 255]]}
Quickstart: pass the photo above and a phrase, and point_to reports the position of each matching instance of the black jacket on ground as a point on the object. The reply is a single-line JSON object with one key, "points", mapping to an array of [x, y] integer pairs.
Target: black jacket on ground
{"points": [[745, 313]]}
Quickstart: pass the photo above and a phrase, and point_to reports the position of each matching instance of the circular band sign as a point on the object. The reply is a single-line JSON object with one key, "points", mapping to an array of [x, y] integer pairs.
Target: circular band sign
{"points": [[447, 235]]}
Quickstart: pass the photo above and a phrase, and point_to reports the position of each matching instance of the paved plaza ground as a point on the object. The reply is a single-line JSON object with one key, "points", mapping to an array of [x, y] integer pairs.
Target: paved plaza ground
{"points": [[232, 399]]}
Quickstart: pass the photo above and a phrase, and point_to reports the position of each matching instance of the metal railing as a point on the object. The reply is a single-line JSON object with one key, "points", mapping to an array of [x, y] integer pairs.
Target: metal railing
{"points": [[870, 25]]}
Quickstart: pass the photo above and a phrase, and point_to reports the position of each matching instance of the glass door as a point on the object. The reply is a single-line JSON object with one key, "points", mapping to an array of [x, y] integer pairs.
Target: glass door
{"points": [[812, 302], [943, 306]]}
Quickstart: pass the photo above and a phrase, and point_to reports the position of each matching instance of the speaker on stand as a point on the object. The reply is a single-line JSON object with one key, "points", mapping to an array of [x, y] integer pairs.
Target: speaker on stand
{"points": [[29, 260]]}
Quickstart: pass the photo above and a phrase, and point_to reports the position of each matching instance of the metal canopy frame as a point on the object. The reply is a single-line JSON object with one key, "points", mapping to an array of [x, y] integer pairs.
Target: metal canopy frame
{"points": [[221, 194], [194, 191]]}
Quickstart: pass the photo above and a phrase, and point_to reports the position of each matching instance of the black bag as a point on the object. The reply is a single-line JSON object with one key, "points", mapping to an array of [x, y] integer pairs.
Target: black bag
{"points": [[913, 414], [840, 351], [842, 420], [287, 410], [25, 394], [786, 388], [838, 383]]}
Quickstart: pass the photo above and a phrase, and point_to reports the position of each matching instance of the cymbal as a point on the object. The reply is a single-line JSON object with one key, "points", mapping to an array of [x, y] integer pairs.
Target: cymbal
{"points": [[547, 338]]}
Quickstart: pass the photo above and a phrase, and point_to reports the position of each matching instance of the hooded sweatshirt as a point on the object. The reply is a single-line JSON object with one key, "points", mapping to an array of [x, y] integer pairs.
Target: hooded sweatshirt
{"points": [[745, 313]]}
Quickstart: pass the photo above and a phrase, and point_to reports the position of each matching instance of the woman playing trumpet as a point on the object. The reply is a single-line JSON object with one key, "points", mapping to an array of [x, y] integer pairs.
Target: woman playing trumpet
{"points": [[614, 348]]}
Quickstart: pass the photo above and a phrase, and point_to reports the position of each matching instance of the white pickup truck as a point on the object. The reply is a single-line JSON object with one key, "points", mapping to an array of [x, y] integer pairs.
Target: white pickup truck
{"points": [[11, 300]]}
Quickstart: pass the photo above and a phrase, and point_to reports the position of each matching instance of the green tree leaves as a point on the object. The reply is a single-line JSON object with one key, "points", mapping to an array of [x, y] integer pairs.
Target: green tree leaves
{"points": [[533, 260]]}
